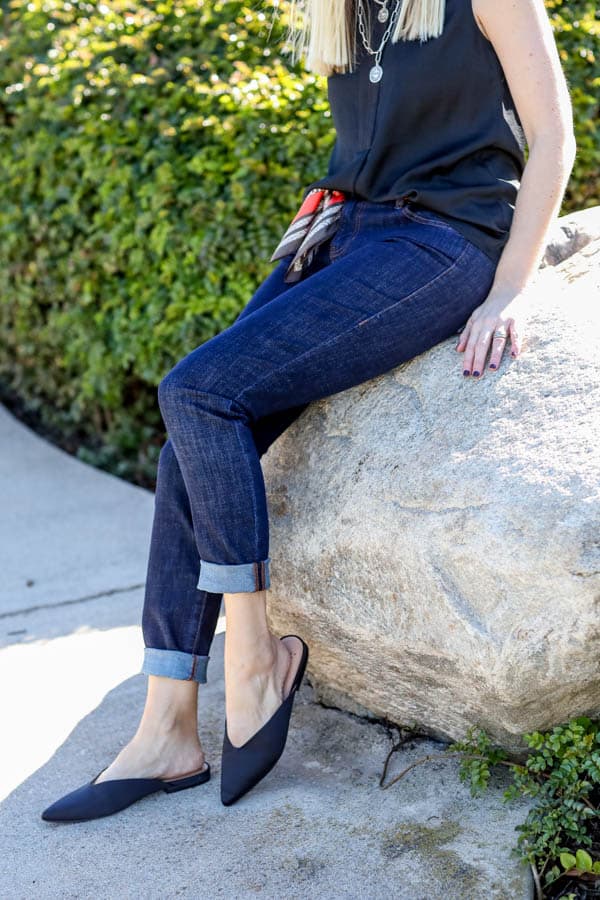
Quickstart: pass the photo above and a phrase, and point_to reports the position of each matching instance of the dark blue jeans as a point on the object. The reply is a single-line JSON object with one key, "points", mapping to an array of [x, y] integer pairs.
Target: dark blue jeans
{"points": [[393, 281]]}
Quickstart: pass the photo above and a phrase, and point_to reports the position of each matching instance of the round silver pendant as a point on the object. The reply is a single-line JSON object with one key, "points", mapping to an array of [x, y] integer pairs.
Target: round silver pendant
{"points": [[375, 73], [383, 15]]}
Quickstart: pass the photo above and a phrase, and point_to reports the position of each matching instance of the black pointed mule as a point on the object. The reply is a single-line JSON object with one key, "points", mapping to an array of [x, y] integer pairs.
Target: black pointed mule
{"points": [[243, 767], [93, 800]]}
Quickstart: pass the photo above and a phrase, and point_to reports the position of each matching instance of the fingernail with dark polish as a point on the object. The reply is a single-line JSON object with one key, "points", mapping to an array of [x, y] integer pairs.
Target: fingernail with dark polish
{"points": [[492, 365], [465, 371], [475, 373]]}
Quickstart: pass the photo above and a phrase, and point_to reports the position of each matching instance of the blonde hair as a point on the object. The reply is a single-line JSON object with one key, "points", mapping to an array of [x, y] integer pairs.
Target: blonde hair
{"points": [[326, 36]]}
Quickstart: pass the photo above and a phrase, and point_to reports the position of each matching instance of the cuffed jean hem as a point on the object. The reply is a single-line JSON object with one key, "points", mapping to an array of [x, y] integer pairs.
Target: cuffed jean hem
{"points": [[219, 578], [174, 664]]}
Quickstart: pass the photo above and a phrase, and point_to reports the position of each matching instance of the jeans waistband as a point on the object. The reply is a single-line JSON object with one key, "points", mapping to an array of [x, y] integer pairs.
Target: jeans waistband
{"points": [[394, 202]]}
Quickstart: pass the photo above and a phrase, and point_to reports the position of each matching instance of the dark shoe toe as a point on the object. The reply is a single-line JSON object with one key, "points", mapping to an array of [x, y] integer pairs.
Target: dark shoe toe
{"points": [[103, 798], [94, 800], [79, 804]]}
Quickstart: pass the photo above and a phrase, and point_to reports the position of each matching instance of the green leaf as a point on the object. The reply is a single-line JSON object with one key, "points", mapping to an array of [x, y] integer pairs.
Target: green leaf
{"points": [[584, 860], [567, 860]]}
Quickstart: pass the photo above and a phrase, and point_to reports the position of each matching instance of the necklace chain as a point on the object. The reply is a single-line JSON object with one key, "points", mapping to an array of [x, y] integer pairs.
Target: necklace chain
{"points": [[376, 71]]}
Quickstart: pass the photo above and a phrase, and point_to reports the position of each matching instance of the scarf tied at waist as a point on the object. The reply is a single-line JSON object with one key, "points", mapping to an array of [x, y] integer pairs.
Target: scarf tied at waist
{"points": [[314, 223]]}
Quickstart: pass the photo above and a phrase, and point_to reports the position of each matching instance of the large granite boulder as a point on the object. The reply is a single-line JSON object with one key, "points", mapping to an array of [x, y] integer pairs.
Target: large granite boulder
{"points": [[436, 539]]}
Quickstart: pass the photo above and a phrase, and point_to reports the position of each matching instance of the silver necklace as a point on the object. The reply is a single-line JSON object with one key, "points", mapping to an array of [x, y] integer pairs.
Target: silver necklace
{"points": [[383, 13], [376, 71]]}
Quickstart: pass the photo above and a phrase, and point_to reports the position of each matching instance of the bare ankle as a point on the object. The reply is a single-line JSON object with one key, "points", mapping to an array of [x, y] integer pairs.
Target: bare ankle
{"points": [[259, 662], [168, 727]]}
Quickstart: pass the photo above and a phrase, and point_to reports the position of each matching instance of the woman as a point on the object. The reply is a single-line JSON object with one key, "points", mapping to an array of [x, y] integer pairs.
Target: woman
{"points": [[428, 223]]}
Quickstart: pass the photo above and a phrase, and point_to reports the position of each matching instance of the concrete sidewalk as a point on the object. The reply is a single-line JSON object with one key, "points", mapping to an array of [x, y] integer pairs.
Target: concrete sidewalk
{"points": [[74, 550]]}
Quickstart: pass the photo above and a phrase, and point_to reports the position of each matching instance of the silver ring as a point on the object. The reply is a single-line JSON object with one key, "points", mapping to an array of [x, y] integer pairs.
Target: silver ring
{"points": [[501, 334]]}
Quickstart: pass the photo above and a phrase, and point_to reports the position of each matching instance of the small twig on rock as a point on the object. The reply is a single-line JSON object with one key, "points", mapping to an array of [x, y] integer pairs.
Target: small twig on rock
{"points": [[444, 755], [404, 737], [408, 768]]}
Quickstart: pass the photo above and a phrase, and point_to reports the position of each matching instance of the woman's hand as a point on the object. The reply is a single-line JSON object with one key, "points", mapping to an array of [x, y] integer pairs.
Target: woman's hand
{"points": [[499, 317]]}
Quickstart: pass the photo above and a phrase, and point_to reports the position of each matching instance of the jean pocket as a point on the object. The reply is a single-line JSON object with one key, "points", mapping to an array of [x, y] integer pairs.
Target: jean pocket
{"points": [[443, 244], [427, 217]]}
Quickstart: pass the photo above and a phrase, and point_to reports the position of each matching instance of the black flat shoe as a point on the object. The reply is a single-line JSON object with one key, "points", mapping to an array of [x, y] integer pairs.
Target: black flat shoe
{"points": [[243, 767], [91, 800]]}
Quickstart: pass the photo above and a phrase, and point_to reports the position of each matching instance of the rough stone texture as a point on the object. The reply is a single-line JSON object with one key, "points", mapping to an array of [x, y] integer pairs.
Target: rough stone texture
{"points": [[571, 233], [436, 539]]}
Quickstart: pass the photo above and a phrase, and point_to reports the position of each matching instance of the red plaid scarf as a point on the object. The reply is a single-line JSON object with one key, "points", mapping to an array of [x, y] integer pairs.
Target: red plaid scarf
{"points": [[315, 221]]}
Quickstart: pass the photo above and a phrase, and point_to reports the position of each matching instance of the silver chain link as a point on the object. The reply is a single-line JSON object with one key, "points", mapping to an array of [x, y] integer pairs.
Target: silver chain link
{"points": [[361, 27]]}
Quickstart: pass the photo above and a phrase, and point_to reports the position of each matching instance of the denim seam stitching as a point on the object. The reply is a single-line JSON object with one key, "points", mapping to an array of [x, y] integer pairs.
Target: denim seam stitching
{"points": [[334, 252], [410, 214], [359, 215], [203, 606], [417, 218], [337, 337], [229, 401], [199, 627], [254, 508]]}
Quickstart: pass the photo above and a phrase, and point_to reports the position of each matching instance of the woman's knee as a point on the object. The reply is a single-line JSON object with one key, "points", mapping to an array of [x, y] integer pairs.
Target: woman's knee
{"points": [[194, 388], [166, 457], [185, 376], [169, 387]]}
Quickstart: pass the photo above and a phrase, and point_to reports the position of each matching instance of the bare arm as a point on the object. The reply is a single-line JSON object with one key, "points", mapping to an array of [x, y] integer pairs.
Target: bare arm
{"points": [[523, 40], [522, 37]]}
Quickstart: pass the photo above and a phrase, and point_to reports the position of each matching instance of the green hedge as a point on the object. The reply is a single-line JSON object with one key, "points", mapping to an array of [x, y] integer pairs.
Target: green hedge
{"points": [[150, 156], [576, 26], [149, 161]]}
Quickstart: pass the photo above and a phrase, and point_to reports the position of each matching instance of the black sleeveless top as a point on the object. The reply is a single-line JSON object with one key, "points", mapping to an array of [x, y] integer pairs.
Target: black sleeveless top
{"points": [[440, 128]]}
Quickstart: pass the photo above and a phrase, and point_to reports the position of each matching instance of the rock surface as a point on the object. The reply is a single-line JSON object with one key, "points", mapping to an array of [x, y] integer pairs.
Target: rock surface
{"points": [[571, 233], [436, 539]]}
